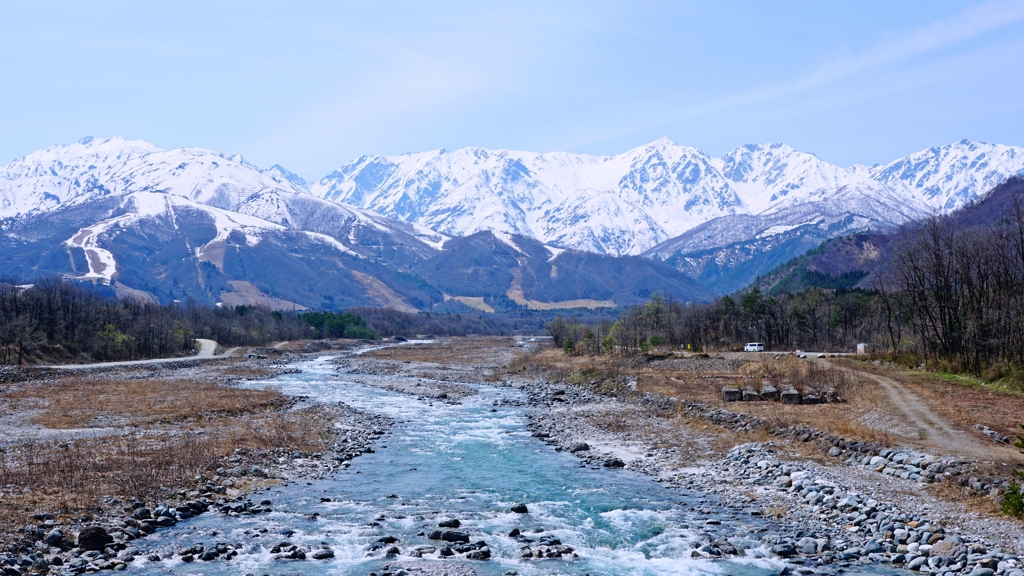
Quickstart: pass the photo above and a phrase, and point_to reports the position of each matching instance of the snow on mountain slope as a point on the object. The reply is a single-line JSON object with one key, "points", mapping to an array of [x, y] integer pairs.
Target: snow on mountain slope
{"points": [[56, 175], [610, 204], [773, 175], [144, 205], [948, 177], [628, 203], [77, 174]]}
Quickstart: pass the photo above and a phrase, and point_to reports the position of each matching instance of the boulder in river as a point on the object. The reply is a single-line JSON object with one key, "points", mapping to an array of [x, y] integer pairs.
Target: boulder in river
{"points": [[784, 550], [323, 554], [520, 508], [454, 536], [579, 447], [614, 463], [453, 523]]}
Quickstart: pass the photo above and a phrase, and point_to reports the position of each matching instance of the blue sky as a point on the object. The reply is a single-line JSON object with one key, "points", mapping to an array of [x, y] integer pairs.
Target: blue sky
{"points": [[312, 85]]}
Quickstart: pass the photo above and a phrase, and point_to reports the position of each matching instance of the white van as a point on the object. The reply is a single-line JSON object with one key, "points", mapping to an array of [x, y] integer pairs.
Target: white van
{"points": [[754, 347]]}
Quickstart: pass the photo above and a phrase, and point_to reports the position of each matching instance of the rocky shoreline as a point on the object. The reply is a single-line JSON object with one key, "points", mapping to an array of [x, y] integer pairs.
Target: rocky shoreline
{"points": [[107, 540], [827, 523]]}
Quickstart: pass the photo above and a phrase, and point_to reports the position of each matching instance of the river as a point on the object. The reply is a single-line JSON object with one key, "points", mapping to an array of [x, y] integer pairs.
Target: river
{"points": [[472, 462]]}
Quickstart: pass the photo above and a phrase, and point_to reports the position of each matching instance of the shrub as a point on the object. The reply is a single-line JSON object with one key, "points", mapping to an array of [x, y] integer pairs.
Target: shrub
{"points": [[1013, 500]]}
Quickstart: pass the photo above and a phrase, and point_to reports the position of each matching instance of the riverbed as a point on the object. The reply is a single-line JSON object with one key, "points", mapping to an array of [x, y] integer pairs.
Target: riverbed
{"points": [[470, 461]]}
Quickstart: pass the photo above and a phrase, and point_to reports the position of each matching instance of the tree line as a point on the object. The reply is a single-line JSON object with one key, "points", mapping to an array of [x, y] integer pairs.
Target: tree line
{"points": [[950, 296], [54, 319], [62, 320]]}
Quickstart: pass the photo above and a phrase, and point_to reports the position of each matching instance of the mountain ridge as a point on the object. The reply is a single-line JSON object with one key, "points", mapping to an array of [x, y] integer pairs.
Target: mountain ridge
{"points": [[630, 202]]}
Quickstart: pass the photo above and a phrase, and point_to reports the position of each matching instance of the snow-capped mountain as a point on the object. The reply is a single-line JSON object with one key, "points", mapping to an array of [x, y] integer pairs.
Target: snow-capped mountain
{"points": [[608, 204], [188, 222], [193, 223], [949, 177], [630, 202]]}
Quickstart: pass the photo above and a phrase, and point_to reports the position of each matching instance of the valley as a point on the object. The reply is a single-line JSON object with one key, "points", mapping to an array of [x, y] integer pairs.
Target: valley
{"points": [[623, 466]]}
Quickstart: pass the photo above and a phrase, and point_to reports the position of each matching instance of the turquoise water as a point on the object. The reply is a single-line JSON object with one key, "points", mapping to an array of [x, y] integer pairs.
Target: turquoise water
{"points": [[471, 463]]}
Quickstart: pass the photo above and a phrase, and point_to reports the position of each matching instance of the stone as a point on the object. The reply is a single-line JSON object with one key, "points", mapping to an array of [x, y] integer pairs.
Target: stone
{"points": [[751, 395], [980, 571], [948, 548], [323, 554], [811, 400], [917, 563], [614, 463], [520, 508], [770, 393], [730, 394], [54, 537], [514, 533], [789, 397], [454, 536], [579, 447], [784, 550], [807, 546], [94, 538], [453, 523]]}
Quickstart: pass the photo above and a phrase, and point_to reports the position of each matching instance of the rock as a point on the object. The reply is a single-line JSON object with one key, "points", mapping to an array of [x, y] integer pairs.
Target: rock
{"points": [[873, 548], [784, 550], [790, 397], [323, 554], [94, 538], [54, 537], [807, 546], [980, 571], [482, 554], [770, 393], [811, 400], [520, 508], [454, 536], [917, 562], [614, 463], [948, 548], [751, 395], [453, 523], [730, 394], [515, 532], [579, 447]]}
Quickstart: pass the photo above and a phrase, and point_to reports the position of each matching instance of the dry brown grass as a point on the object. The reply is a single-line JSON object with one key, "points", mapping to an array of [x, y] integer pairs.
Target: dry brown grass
{"points": [[182, 428], [71, 476], [468, 350], [79, 402], [850, 419]]}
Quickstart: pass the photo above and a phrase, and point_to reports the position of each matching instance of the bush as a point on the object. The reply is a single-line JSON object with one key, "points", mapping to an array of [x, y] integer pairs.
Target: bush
{"points": [[1013, 501]]}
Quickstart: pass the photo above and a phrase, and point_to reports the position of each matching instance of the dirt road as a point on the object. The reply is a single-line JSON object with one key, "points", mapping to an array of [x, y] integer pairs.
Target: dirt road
{"points": [[935, 432], [206, 352]]}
